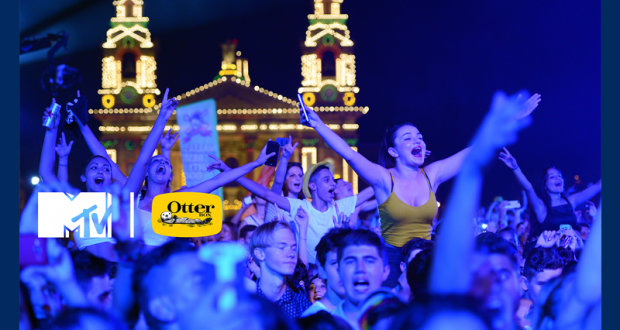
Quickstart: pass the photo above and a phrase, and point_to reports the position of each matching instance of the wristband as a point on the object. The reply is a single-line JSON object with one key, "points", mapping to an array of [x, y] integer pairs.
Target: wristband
{"points": [[63, 164]]}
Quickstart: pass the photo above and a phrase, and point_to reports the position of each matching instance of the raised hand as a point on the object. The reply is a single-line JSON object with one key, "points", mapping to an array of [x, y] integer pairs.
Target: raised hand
{"points": [[262, 158], [313, 118], [167, 106], [428, 153], [302, 218], [499, 128], [62, 149], [592, 209], [48, 113], [508, 159], [529, 106], [218, 164], [168, 141], [547, 239], [289, 149], [342, 221]]}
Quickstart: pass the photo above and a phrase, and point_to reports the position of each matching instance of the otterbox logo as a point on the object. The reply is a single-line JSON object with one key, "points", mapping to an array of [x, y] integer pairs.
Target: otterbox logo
{"points": [[187, 214]]}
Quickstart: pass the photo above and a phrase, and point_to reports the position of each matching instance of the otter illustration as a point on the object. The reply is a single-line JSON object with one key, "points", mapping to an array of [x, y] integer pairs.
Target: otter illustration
{"points": [[169, 218]]}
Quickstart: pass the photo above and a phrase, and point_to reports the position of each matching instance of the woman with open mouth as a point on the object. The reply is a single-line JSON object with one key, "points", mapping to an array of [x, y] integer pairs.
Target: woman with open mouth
{"points": [[288, 181], [404, 187], [548, 202]]}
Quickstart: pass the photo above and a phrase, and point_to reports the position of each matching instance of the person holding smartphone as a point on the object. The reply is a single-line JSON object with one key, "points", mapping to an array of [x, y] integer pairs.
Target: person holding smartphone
{"points": [[404, 186], [548, 203]]}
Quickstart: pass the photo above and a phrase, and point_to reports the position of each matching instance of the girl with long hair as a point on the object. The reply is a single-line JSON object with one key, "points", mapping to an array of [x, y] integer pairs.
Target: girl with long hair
{"points": [[548, 202], [404, 186]]}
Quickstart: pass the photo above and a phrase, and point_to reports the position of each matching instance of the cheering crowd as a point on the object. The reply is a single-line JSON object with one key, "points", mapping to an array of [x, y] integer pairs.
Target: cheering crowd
{"points": [[315, 256]]}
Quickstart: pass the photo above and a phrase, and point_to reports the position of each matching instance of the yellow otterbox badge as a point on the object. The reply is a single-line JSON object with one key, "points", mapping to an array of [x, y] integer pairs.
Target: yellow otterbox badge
{"points": [[187, 214]]}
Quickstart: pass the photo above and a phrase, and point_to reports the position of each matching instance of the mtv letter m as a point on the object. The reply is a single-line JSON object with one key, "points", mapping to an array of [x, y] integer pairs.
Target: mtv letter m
{"points": [[88, 213]]}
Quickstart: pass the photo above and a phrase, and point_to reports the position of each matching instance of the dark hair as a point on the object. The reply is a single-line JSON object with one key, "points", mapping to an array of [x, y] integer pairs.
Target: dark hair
{"points": [[551, 296], [420, 312], [300, 274], [25, 306], [72, 319], [359, 237], [285, 188], [492, 243], [540, 188], [322, 320], [157, 257], [512, 232], [145, 187], [87, 266], [330, 243], [415, 244], [418, 271], [233, 229], [385, 159], [85, 164], [243, 233], [539, 259], [317, 170]]}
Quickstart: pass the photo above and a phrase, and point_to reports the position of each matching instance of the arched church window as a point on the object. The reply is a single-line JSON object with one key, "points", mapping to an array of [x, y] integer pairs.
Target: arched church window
{"points": [[328, 63], [129, 65]]}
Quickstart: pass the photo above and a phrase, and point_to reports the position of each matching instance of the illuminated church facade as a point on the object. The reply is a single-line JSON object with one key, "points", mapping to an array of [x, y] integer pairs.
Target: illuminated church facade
{"points": [[248, 115]]}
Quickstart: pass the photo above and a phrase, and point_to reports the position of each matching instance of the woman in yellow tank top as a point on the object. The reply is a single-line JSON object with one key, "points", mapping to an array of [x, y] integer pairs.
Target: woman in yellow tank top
{"points": [[404, 188]]}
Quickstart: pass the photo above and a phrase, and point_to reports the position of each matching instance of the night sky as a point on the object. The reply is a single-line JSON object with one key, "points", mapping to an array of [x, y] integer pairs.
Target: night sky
{"points": [[433, 63]]}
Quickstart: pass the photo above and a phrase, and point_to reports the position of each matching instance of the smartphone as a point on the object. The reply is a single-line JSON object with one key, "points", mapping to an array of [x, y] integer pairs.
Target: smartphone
{"points": [[513, 205], [32, 250], [564, 228], [302, 112], [272, 147], [282, 141], [247, 201]]}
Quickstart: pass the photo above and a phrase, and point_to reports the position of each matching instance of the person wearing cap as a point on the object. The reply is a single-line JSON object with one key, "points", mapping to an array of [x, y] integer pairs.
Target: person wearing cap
{"points": [[318, 185]]}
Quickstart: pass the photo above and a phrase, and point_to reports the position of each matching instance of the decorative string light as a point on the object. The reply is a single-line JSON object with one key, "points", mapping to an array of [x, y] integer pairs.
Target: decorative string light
{"points": [[308, 155], [145, 71], [113, 35], [112, 154]]}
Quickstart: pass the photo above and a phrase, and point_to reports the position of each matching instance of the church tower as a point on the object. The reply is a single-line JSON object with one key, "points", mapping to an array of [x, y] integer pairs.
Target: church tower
{"points": [[328, 63], [128, 68]]}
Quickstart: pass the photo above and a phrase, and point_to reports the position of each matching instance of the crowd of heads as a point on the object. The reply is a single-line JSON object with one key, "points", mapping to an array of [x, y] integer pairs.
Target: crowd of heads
{"points": [[258, 276]]}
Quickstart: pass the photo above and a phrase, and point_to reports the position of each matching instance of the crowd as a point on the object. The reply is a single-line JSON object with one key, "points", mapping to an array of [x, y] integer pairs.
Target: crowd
{"points": [[313, 255]]}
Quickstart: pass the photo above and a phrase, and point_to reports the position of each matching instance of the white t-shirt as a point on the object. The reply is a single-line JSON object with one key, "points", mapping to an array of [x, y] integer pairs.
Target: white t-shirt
{"points": [[315, 308], [339, 312], [321, 222]]}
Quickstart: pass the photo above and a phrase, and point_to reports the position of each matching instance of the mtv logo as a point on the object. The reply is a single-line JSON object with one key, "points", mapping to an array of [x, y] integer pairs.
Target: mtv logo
{"points": [[87, 214]]}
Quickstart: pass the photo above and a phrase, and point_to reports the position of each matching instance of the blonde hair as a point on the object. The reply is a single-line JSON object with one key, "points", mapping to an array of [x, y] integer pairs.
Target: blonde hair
{"points": [[263, 235]]}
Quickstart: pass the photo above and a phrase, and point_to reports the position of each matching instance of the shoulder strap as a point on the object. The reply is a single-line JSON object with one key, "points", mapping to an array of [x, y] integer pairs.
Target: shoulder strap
{"points": [[427, 179], [391, 177]]}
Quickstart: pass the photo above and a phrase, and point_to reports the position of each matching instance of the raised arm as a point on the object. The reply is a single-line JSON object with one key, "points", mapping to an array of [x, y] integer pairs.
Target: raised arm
{"points": [[456, 239], [445, 169], [254, 187], [134, 182], [369, 205], [48, 156], [227, 176], [364, 196], [97, 149], [280, 176], [302, 219], [63, 150], [167, 142], [584, 195], [589, 269], [537, 204], [376, 175]]}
